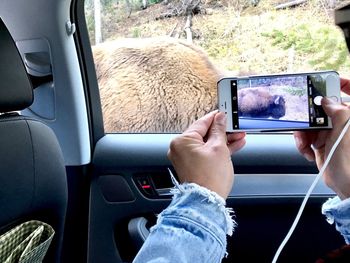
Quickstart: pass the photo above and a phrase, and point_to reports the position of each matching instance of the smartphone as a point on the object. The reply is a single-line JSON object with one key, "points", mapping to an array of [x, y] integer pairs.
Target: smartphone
{"points": [[278, 102]]}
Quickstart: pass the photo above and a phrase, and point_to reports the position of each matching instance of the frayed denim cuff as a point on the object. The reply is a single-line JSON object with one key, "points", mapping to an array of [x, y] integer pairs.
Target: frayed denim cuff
{"points": [[202, 204], [338, 211], [192, 228], [198, 210], [220, 214]]}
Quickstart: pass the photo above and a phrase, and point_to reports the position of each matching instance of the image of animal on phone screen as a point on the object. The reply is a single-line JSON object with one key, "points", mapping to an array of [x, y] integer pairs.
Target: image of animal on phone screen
{"points": [[278, 102]]}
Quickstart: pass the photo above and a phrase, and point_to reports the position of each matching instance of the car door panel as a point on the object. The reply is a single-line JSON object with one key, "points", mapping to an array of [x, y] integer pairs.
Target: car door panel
{"points": [[271, 180]]}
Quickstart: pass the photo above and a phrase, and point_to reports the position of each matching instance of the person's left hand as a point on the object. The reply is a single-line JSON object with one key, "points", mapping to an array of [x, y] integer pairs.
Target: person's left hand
{"points": [[202, 154]]}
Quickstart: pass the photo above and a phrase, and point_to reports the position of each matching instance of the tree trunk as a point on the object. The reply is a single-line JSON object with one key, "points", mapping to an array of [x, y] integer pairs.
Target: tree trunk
{"points": [[97, 15], [188, 30], [290, 4], [128, 8], [144, 4]]}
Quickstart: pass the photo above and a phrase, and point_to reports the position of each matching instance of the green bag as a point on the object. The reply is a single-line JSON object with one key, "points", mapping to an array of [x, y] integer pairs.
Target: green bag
{"points": [[26, 243]]}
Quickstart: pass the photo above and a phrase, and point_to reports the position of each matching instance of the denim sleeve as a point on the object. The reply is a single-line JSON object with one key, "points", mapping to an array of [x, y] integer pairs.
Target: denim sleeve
{"points": [[192, 228], [338, 211]]}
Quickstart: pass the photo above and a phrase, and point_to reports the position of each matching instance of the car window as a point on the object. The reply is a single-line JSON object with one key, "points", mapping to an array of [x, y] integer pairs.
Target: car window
{"points": [[158, 62]]}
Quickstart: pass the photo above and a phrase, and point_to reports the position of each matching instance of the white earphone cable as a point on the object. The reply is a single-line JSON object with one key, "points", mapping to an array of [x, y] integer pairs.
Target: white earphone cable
{"points": [[301, 209]]}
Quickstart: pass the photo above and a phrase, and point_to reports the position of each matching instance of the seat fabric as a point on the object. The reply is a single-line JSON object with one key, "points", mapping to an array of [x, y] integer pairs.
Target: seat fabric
{"points": [[33, 182]]}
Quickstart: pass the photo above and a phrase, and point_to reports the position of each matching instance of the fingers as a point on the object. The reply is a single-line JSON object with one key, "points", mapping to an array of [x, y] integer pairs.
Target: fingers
{"points": [[345, 85], [339, 113], [217, 131], [202, 125], [331, 107], [231, 137], [235, 142], [303, 141], [212, 127]]}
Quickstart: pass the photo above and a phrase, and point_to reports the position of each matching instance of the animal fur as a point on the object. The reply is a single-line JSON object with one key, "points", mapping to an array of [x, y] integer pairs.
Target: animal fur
{"points": [[154, 85], [259, 103]]}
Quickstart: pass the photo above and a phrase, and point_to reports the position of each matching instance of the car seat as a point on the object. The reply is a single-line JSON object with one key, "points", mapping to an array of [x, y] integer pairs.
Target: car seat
{"points": [[33, 182]]}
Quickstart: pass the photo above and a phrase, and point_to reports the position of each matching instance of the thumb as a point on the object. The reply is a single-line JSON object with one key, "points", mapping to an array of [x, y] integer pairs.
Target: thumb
{"points": [[217, 131], [339, 113], [331, 107]]}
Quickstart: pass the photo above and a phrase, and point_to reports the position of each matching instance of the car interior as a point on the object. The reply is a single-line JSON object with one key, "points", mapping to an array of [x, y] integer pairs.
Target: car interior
{"points": [[33, 186], [101, 192]]}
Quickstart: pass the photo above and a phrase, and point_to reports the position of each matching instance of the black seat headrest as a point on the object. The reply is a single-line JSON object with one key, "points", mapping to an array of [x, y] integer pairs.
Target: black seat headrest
{"points": [[16, 92]]}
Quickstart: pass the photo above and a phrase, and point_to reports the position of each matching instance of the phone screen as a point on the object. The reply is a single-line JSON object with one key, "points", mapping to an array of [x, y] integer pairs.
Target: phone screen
{"points": [[279, 102]]}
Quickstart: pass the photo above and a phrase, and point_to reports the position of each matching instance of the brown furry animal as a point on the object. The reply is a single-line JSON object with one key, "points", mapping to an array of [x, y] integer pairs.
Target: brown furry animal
{"points": [[154, 85], [259, 103]]}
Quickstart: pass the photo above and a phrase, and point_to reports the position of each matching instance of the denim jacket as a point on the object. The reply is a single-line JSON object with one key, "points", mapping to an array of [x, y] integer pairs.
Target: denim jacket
{"points": [[338, 211], [194, 226]]}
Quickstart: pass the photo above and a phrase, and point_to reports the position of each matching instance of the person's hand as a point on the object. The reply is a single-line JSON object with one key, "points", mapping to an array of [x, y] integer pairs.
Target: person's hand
{"points": [[315, 145], [345, 85], [202, 154]]}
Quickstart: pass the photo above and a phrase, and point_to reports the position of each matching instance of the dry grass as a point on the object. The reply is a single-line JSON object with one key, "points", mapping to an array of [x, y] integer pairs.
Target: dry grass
{"points": [[234, 38]]}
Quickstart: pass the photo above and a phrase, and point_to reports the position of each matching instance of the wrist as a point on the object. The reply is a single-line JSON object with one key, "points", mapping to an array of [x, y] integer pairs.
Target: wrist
{"points": [[211, 204]]}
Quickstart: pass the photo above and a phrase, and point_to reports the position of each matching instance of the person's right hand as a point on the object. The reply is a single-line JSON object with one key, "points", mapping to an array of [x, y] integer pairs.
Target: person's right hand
{"points": [[316, 145], [345, 86]]}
